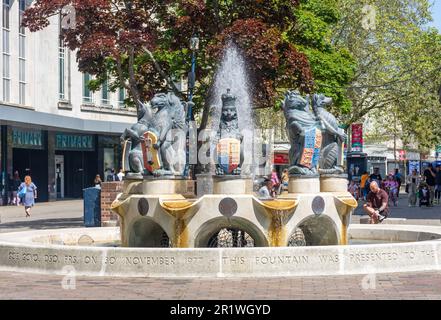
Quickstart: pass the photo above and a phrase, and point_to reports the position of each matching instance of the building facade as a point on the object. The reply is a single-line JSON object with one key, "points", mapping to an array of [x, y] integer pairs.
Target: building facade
{"points": [[52, 126]]}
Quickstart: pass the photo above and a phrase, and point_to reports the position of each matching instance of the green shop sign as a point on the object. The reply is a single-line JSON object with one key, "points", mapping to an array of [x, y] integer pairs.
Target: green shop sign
{"points": [[29, 139], [67, 141]]}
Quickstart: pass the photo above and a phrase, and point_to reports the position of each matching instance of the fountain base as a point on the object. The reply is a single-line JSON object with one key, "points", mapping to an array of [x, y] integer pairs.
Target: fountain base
{"points": [[232, 184], [333, 182], [168, 185], [304, 184], [204, 183]]}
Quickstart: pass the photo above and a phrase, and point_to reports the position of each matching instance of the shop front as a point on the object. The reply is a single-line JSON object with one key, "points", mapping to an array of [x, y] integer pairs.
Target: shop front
{"points": [[281, 157], [61, 164], [63, 154], [29, 157], [75, 162]]}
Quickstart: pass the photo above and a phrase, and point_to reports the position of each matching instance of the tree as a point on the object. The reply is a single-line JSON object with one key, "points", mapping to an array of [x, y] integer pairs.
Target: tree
{"points": [[137, 44], [112, 39], [398, 67]]}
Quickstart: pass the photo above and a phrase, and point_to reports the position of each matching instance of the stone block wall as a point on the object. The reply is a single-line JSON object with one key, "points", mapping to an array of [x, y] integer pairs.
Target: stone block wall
{"points": [[109, 191]]}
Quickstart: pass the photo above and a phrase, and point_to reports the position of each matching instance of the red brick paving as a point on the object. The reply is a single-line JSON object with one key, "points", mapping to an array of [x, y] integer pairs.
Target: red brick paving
{"points": [[422, 285]]}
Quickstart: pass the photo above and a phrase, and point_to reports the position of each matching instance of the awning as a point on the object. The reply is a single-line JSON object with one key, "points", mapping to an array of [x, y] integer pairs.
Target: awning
{"points": [[17, 116]]}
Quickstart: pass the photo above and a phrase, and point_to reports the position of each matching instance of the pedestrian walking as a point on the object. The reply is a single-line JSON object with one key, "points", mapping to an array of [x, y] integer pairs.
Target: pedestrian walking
{"points": [[111, 176], [430, 175], [275, 180], [364, 184], [391, 187], [376, 176], [354, 189], [9, 189], [412, 183], [438, 184], [27, 193], [120, 175], [285, 180], [97, 182], [398, 179], [16, 185]]}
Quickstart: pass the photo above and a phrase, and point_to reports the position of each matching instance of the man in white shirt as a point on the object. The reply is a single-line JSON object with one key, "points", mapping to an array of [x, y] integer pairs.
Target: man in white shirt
{"points": [[266, 190], [120, 174]]}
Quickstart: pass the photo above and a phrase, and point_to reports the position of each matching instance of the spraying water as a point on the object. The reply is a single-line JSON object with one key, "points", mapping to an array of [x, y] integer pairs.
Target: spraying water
{"points": [[232, 75]]}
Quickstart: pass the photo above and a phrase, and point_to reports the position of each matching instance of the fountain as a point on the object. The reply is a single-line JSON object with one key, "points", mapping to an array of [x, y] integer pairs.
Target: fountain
{"points": [[316, 206], [165, 231]]}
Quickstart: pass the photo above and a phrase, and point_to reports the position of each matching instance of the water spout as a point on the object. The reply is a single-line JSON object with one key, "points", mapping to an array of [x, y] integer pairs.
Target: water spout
{"points": [[232, 77]]}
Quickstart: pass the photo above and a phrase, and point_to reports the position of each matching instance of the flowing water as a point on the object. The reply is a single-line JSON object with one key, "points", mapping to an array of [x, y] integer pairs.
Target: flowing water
{"points": [[232, 75]]}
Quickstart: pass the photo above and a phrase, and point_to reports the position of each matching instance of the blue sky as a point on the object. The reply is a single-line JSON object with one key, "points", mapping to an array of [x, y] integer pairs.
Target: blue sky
{"points": [[436, 10]]}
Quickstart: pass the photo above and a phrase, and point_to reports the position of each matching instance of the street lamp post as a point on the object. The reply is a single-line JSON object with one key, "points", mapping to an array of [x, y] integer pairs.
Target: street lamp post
{"points": [[194, 47]]}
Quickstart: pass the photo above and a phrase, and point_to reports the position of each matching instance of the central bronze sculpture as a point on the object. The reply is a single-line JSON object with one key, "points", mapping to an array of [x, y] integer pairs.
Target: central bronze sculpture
{"points": [[229, 154]]}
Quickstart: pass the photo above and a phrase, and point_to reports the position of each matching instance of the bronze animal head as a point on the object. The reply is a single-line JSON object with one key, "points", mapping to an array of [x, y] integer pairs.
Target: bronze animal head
{"points": [[293, 100]]}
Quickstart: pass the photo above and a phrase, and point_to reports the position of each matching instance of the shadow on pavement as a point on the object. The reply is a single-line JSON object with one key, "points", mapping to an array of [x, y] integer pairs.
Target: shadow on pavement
{"points": [[406, 212], [44, 224]]}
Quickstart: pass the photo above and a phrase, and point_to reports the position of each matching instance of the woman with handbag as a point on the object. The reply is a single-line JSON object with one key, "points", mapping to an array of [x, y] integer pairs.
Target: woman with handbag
{"points": [[27, 193]]}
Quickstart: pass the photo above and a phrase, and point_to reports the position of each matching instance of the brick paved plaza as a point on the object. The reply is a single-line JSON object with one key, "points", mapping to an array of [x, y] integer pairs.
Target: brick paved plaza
{"points": [[424, 285], [421, 285]]}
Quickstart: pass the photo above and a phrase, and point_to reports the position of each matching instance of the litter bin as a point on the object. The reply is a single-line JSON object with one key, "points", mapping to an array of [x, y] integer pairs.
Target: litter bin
{"points": [[92, 207]]}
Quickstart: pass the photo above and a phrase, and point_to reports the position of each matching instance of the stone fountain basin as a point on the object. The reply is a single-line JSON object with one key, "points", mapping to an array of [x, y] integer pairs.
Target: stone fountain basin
{"points": [[279, 204], [57, 251]]}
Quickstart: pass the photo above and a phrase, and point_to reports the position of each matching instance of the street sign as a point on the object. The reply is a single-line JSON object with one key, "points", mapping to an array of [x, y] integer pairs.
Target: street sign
{"points": [[357, 137], [402, 155]]}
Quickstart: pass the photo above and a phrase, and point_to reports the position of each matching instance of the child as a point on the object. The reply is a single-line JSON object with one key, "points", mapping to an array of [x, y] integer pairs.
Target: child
{"points": [[391, 186], [424, 194], [353, 189], [275, 180]]}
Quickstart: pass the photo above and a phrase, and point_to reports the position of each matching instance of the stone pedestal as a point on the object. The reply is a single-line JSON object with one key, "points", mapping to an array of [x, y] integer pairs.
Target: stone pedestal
{"points": [[230, 184], [204, 184], [334, 183], [304, 184], [168, 185]]}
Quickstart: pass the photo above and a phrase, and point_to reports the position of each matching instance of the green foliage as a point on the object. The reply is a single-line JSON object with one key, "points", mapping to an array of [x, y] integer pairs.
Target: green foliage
{"points": [[287, 44], [398, 69], [332, 66]]}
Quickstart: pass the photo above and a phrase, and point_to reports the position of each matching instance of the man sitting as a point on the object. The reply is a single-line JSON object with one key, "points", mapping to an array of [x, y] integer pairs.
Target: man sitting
{"points": [[377, 204], [266, 190]]}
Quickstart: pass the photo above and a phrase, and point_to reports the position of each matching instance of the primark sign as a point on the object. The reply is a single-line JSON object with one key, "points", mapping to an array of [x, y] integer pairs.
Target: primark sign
{"points": [[27, 139], [74, 142]]}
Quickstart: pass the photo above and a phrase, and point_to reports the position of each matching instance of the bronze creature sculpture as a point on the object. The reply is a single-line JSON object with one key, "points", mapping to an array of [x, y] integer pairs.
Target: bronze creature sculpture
{"points": [[333, 137], [304, 130], [156, 144]]}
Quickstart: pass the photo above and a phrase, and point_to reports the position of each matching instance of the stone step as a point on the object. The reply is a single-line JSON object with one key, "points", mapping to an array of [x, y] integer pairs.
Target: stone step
{"points": [[365, 220]]}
